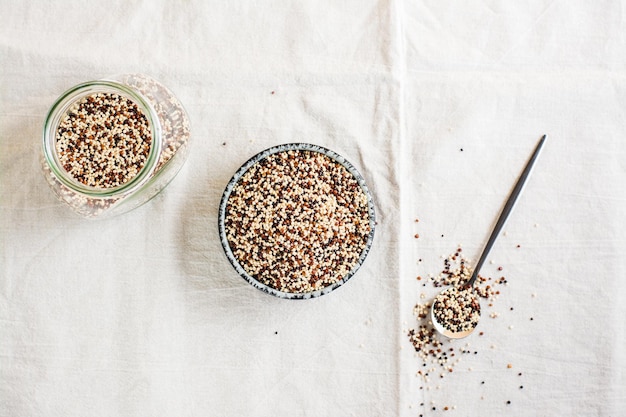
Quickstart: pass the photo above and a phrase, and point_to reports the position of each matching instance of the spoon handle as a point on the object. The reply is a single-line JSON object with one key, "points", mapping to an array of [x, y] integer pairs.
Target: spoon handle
{"points": [[508, 207]]}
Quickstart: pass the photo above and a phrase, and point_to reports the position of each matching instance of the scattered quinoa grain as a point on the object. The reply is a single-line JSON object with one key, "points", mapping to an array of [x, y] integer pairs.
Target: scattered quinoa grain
{"points": [[436, 351]]}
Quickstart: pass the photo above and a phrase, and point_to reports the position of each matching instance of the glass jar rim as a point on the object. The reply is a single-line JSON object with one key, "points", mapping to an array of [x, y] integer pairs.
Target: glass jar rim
{"points": [[61, 106]]}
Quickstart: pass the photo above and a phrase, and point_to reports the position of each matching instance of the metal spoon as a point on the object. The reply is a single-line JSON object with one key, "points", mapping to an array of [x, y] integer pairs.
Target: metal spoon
{"points": [[508, 207]]}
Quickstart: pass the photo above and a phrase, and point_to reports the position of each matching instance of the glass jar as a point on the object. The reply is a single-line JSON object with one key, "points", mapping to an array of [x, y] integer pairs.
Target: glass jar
{"points": [[111, 145]]}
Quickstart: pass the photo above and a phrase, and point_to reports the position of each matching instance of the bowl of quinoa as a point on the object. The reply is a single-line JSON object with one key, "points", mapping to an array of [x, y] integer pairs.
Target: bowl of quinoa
{"points": [[296, 221]]}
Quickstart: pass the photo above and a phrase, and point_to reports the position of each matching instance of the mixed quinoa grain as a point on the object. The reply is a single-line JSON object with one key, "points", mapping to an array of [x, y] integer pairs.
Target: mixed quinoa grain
{"points": [[297, 221], [103, 140], [457, 309]]}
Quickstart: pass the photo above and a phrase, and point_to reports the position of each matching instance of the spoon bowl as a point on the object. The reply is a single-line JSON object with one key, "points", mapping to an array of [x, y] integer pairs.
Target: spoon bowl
{"points": [[455, 312]]}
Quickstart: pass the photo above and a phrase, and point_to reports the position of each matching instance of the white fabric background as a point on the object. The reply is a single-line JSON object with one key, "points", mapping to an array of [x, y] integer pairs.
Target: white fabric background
{"points": [[142, 314]]}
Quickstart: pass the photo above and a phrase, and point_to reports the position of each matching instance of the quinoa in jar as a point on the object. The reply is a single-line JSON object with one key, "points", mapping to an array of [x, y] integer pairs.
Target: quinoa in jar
{"points": [[111, 145]]}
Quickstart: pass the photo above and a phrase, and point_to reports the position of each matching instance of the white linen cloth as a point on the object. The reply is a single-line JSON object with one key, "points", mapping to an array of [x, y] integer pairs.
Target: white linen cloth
{"points": [[438, 104]]}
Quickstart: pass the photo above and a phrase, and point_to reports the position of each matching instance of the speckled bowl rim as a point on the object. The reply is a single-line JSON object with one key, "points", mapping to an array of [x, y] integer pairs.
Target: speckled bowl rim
{"points": [[254, 160]]}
